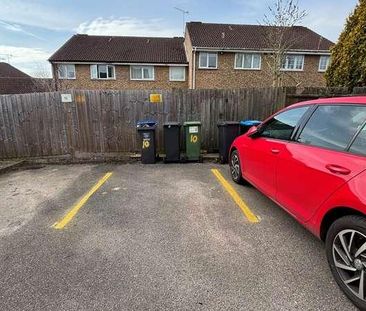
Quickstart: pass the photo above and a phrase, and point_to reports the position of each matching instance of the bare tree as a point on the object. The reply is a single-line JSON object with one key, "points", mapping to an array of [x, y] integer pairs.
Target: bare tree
{"points": [[45, 81], [42, 80], [281, 17]]}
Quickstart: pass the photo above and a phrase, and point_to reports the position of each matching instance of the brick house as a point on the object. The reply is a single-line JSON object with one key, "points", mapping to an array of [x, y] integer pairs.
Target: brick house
{"points": [[210, 56], [112, 62], [235, 56], [14, 81]]}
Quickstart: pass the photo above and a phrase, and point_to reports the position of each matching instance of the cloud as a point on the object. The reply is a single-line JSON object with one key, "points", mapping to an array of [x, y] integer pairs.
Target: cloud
{"points": [[33, 61], [17, 28], [127, 26], [33, 13]]}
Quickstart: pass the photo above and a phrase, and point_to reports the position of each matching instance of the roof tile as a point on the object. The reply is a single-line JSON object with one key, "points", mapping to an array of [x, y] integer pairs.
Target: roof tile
{"points": [[252, 37], [85, 48]]}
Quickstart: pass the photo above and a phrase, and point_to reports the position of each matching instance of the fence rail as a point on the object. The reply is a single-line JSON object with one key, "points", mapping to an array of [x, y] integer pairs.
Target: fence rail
{"points": [[40, 124]]}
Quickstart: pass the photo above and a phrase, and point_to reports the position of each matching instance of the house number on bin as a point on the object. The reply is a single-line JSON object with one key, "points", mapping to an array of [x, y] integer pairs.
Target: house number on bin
{"points": [[145, 143], [194, 138]]}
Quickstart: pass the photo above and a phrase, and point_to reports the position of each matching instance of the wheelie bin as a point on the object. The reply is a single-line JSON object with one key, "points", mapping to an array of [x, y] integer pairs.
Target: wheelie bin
{"points": [[228, 131], [146, 130], [192, 135], [245, 125], [172, 141]]}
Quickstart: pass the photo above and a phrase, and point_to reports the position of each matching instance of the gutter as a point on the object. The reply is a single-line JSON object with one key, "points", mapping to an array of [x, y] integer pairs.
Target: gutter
{"points": [[194, 69], [295, 51], [124, 64]]}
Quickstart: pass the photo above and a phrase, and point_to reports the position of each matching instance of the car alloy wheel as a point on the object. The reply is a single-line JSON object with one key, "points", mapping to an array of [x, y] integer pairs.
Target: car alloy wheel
{"points": [[235, 166], [349, 256]]}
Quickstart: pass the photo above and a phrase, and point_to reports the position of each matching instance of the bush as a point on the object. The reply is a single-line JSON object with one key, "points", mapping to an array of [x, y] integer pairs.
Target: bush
{"points": [[348, 59]]}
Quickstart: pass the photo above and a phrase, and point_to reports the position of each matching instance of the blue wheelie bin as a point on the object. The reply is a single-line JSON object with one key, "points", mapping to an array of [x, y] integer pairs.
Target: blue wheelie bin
{"points": [[245, 125]]}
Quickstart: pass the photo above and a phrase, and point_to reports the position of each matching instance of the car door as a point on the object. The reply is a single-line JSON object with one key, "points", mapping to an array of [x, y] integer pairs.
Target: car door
{"points": [[259, 152], [317, 163]]}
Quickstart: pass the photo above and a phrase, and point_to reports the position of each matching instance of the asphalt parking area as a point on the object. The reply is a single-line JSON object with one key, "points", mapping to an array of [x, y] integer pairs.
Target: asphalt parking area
{"points": [[155, 237]]}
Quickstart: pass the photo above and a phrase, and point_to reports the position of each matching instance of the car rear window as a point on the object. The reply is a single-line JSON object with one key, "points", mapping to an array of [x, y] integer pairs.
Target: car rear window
{"points": [[333, 126], [359, 145]]}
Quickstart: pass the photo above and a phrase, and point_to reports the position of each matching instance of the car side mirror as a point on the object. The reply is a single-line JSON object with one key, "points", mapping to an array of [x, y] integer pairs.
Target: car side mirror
{"points": [[254, 132]]}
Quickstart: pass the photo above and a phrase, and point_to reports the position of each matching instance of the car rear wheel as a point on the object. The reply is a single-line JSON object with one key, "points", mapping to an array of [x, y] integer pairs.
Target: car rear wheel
{"points": [[235, 167], [346, 254]]}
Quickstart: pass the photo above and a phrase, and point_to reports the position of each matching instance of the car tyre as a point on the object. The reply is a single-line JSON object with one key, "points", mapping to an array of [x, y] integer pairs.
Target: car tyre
{"points": [[346, 255], [235, 167]]}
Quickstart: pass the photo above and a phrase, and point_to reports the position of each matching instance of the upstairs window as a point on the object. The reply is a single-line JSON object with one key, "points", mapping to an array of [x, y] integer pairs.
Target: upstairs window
{"points": [[66, 71], [207, 60], [102, 72], [177, 73], [293, 62], [324, 63], [142, 73], [247, 61]]}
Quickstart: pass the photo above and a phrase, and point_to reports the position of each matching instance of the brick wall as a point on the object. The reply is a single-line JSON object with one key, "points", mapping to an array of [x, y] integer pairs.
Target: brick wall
{"points": [[122, 81], [189, 55], [225, 76]]}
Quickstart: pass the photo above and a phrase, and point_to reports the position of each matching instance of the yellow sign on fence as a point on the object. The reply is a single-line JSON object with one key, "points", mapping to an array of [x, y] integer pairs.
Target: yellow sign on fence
{"points": [[156, 98]]}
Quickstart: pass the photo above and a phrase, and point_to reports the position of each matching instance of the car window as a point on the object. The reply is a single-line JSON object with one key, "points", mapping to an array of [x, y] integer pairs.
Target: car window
{"points": [[282, 125], [333, 126], [359, 145]]}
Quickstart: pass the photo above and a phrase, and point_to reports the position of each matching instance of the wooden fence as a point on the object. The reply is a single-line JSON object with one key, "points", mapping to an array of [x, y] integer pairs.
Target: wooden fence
{"points": [[40, 124]]}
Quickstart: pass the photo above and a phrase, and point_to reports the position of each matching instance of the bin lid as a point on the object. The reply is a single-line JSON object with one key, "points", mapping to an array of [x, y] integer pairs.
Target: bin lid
{"points": [[146, 123], [226, 123], [189, 123], [172, 124], [250, 122]]}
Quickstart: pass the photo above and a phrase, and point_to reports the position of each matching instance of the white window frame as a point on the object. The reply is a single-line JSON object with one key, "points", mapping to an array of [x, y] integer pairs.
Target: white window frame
{"points": [[95, 66], [327, 65], [180, 67], [66, 71], [200, 66], [252, 61], [142, 73], [293, 69]]}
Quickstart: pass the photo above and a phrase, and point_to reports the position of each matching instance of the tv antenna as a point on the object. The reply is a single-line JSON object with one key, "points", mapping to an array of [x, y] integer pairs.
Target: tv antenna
{"points": [[5, 58], [184, 13]]}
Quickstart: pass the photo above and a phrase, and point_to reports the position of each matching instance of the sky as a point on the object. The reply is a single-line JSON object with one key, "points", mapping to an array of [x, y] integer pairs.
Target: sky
{"points": [[31, 31]]}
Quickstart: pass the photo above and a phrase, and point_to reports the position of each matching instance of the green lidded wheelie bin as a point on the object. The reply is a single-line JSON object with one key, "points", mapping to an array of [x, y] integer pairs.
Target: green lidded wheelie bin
{"points": [[192, 134]]}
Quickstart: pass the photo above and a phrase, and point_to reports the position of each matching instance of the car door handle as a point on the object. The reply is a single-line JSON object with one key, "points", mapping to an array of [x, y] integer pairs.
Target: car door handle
{"points": [[275, 151], [336, 169]]}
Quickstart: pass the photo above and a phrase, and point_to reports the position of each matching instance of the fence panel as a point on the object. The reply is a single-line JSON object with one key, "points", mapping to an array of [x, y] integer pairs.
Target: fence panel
{"points": [[40, 124]]}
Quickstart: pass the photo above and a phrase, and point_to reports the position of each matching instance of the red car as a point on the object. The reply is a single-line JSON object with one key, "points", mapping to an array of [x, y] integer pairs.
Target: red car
{"points": [[310, 158]]}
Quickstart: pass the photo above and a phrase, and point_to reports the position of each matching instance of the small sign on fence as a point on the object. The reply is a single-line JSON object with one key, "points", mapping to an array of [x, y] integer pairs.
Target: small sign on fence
{"points": [[156, 98], [66, 98]]}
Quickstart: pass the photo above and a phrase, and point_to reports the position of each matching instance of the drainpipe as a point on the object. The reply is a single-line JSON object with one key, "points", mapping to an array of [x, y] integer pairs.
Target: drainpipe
{"points": [[194, 69]]}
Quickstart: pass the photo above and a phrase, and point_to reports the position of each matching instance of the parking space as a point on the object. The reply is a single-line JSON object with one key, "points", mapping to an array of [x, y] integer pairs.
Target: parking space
{"points": [[154, 237]]}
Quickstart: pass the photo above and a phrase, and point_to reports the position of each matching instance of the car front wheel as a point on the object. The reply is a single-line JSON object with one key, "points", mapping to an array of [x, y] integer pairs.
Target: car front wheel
{"points": [[235, 168], [346, 254]]}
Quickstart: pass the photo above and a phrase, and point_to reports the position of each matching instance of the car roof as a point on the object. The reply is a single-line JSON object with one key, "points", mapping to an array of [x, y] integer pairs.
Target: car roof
{"points": [[334, 100]]}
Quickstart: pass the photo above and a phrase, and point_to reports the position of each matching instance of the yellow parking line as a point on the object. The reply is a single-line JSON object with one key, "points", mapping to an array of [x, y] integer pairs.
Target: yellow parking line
{"points": [[235, 196], [74, 210]]}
